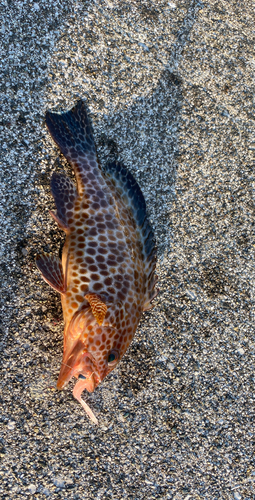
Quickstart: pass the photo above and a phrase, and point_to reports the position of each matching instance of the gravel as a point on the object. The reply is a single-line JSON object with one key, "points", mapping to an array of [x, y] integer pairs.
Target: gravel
{"points": [[170, 90]]}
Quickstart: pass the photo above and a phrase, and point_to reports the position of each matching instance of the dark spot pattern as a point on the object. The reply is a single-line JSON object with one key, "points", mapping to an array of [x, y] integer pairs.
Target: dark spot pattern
{"points": [[64, 193], [109, 249]]}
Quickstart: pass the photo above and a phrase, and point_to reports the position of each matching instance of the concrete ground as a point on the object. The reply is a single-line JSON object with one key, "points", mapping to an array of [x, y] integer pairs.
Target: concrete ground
{"points": [[170, 89]]}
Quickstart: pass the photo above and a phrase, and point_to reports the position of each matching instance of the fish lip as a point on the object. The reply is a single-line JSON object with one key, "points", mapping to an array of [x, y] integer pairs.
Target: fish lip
{"points": [[68, 366], [89, 384]]}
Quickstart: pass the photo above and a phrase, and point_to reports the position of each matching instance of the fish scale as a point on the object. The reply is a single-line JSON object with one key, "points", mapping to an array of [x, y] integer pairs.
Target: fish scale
{"points": [[107, 274]]}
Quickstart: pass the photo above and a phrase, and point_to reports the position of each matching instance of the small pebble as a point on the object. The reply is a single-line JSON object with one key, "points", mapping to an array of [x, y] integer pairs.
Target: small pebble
{"points": [[237, 496], [31, 489], [240, 351], [46, 492], [170, 366], [59, 482], [11, 425]]}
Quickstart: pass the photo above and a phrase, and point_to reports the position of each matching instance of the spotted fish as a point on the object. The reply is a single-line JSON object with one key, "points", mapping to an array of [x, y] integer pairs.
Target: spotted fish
{"points": [[107, 275]]}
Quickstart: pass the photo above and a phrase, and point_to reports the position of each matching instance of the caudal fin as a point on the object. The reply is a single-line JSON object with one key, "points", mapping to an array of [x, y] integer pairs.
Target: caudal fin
{"points": [[72, 131]]}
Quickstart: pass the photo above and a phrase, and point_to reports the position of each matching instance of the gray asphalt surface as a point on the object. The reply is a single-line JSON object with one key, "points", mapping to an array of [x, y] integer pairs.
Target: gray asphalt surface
{"points": [[170, 89]]}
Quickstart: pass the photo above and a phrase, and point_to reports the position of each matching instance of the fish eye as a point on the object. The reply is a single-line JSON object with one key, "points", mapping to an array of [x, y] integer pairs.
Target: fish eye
{"points": [[112, 356], [81, 377]]}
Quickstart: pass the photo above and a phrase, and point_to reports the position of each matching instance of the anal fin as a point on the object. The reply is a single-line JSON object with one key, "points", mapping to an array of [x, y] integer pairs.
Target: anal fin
{"points": [[64, 193], [98, 307], [52, 271], [60, 223]]}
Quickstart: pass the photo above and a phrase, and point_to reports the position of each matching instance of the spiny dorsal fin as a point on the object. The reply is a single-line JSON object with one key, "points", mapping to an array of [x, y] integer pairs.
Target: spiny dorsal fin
{"points": [[52, 271], [122, 180], [98, 307]]}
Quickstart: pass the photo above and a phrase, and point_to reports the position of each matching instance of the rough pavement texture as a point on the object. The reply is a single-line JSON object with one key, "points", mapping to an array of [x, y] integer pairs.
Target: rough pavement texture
{"points": [[170, 87]]}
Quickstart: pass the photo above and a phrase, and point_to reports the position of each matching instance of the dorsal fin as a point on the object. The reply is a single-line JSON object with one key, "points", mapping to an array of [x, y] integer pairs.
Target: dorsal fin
{"points": [[124, 182]]}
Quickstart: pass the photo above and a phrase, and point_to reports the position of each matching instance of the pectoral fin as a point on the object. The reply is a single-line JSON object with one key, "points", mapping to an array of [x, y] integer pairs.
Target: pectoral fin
{"points": [[98, 307], [52, 271]]}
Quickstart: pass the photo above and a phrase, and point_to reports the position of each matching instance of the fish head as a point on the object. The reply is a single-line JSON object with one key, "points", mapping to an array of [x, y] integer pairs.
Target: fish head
{"points": [[87, 365], [79, 363], [90, 352]]}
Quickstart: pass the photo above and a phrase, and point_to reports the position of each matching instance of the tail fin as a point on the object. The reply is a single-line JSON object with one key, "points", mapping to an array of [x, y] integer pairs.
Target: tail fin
{"points": [[72, 130], [73, 134]]}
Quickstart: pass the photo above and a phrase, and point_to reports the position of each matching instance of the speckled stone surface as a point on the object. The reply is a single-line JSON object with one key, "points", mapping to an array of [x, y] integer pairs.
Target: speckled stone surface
{"points": [[170, 90]]}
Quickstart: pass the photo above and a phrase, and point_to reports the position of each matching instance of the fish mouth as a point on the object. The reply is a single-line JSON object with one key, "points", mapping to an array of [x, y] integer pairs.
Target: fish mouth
{"points": [[78, 362]]}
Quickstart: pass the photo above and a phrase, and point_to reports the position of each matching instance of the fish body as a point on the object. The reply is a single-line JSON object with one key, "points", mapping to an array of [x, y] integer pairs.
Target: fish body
{"points": [[107, 274]]}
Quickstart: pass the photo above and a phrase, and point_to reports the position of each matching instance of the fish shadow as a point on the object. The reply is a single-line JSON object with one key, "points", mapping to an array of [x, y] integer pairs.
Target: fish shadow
{"points": [[149, 148], [144, 136]]}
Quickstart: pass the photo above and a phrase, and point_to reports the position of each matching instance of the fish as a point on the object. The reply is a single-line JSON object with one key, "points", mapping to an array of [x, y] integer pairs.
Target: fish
{"points": [[106, 276]]}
